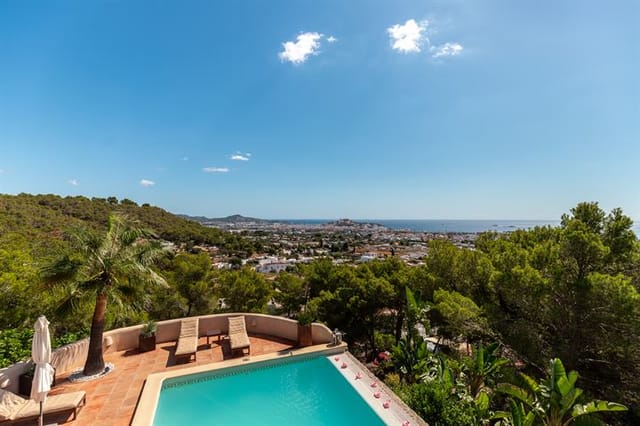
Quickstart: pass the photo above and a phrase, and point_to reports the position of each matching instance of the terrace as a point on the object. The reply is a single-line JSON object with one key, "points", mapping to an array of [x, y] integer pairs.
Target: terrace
{"points": [[112, 399]]}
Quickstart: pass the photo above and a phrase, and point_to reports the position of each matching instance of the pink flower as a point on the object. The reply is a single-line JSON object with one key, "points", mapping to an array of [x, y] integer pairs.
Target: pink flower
{"points": [[386, 404], [376, 395], [383, 356], [374, 384], [344, 365], [358, 375]]}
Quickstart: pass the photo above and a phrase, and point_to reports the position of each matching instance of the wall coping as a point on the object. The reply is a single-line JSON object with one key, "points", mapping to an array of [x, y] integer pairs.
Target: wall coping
{"points": [[69, 357]]}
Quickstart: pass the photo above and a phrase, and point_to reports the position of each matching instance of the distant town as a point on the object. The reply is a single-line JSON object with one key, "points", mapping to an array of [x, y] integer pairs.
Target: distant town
{"points": [[281, 245]]}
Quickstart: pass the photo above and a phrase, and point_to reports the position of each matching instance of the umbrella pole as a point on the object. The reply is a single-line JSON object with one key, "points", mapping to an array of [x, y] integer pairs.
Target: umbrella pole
{"points": [[40, 420]]}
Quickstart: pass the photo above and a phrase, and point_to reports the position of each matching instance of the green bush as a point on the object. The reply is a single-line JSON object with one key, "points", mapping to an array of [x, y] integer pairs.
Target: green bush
{"points": [[68, 338], [15, 345], [437, 406], [384, 341], [458, 413], [393, 380]]}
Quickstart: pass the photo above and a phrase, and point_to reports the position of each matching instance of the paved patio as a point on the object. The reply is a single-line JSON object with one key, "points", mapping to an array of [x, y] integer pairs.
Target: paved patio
{"points": [[112, 399]]}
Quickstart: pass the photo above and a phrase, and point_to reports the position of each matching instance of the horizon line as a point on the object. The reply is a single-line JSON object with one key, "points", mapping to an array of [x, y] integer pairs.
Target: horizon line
{"points": [[365, 219]]}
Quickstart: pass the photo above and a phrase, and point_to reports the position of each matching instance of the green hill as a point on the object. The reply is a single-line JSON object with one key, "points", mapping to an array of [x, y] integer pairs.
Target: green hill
{"points": [[236, 218], [33, 233], [42, 219]]}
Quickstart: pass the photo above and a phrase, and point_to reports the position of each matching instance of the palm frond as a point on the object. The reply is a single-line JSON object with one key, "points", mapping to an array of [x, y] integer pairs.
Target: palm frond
{"points": [[61, 270], [118, 264], [72, 300]]}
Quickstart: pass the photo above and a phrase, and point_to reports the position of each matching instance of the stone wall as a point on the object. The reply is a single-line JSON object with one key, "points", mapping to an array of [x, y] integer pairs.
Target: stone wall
{"points": [[73, 356]]}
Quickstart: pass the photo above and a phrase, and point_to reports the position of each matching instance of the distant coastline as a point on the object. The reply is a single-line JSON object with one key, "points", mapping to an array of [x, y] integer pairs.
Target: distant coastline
{"points": [[433, 226], [441, 226]]}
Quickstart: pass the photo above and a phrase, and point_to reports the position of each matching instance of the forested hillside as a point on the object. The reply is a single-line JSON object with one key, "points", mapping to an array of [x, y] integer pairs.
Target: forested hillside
{"points": [[44, 216], [545, 299], [32, 234], [570, 292]]}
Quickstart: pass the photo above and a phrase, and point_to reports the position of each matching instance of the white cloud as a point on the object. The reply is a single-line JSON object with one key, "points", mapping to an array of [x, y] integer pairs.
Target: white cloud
{"points": [[185, 158], [147, 182], [447, 49], [239, 156], [215, 169], [408, 37], [298, 51], [332, 39], [73, 182]]}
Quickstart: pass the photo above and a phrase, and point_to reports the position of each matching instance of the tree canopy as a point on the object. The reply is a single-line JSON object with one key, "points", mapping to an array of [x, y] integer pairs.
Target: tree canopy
{"points": [[570, 292]]}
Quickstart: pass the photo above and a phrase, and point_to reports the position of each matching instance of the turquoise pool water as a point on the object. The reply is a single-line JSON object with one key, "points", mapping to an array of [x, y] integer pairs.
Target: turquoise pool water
{"points": [[304, 392]]}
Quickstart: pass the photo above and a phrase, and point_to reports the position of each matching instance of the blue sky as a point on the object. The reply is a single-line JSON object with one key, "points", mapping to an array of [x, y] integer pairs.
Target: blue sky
{"points": [[325, 109]]}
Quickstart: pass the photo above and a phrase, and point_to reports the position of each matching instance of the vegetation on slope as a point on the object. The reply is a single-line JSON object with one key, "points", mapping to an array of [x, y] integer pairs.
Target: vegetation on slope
{"points": [[569, 293], [34, 230], [37, 216]]}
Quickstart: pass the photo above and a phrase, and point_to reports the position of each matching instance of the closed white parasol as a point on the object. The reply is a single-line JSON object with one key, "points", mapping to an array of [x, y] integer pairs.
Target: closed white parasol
{"points": [[41, 356]]}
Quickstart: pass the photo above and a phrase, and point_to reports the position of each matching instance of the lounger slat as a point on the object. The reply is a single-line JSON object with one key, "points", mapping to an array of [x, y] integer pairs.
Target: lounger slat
{"points": [[189, 327], [238, 338], [54, 404], [187, 344], [70, 401]]}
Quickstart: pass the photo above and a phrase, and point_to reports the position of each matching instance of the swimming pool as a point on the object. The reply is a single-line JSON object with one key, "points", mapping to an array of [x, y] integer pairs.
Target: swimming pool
{"points": [[301, 391]]}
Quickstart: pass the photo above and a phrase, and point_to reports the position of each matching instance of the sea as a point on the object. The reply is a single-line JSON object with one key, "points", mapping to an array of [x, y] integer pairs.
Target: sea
{"points": [[447, 225]]}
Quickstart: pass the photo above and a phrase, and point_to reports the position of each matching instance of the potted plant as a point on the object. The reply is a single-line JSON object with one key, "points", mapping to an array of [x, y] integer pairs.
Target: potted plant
{"points": [[305, 318], [147, 338], [26, 379]]}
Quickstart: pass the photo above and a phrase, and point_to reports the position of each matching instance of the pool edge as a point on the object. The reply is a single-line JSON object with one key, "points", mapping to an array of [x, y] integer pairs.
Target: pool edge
{"points": [[397, 409], [150, 393]]}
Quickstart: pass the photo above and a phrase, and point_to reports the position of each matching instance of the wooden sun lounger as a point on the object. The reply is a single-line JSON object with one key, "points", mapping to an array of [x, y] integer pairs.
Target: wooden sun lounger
{"points": [[238, 338], [188, 340], [14, 408]]}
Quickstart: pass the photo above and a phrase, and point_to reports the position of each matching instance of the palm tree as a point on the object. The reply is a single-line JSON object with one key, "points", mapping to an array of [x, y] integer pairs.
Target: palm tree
{"points": [[552, 401], [113, 267]]}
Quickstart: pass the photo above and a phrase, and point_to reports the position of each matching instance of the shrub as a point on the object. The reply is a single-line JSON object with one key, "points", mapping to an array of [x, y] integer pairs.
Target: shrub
{"points": [[15, 345], [437, 406]]}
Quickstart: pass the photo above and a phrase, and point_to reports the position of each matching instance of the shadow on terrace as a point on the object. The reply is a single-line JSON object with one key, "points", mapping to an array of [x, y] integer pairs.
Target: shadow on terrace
{"points": [[112, 399]]}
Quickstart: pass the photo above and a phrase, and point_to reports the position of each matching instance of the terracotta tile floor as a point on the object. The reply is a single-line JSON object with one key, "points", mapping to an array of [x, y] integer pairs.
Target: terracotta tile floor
{"points": [[112, 399]]}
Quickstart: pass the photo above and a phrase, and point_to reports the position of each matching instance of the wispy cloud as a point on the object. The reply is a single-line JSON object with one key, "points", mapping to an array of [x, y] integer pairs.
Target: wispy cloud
{"points": [[147, 182], [297, 52], [185, 158], [332, 39], [73, 182], [408, 37], [239, 156], [447, 49], [215, 169]]}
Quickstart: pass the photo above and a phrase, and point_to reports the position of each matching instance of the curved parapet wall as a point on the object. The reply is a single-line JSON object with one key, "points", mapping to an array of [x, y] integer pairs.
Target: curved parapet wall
{"points": [[257, 324], [321, 334], [72, 356]]}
